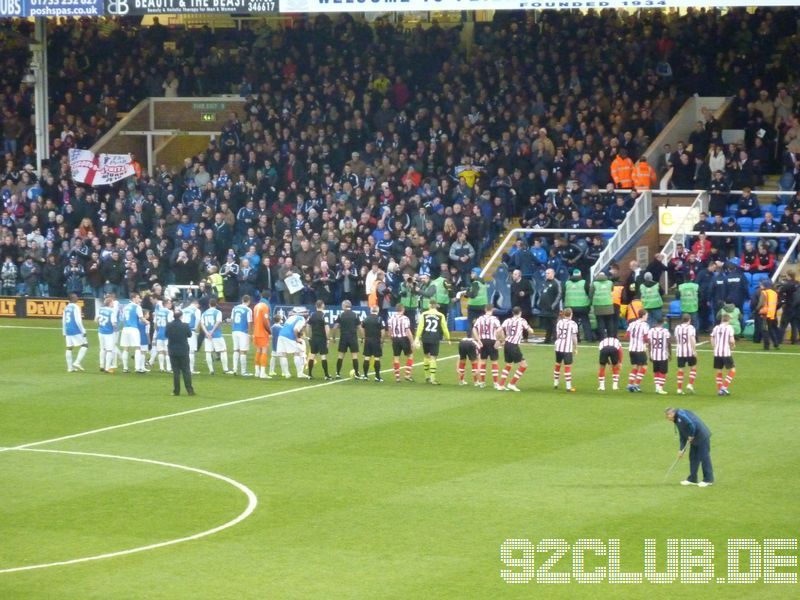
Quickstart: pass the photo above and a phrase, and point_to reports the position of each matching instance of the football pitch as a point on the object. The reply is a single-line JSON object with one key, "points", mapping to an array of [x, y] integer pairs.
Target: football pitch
{"points": [[112, 488]]}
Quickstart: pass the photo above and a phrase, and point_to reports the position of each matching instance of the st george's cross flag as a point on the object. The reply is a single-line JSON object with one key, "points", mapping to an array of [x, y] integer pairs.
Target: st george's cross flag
{"points": [[100, 169]]}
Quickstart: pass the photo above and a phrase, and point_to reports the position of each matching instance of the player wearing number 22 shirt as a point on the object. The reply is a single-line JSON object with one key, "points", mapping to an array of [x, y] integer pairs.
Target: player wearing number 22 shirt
{"points": [[430, 330]]}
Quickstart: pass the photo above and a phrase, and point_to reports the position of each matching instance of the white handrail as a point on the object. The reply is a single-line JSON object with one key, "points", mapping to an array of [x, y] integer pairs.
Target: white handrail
{"points": [[680, 231], [633, 222], [692, 192], [544, 231]]}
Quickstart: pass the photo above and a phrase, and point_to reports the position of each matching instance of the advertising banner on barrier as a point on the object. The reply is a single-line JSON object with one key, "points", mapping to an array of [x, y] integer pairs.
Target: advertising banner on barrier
{"points": [[323, 6], [121, 8], [42, 308], [332, 311], [51, 8]]}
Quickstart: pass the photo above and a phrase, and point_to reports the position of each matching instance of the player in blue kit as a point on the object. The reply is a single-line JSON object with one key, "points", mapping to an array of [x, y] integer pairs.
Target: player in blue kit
{"points": [[132, 315], [241, 324], [275, 331], [144, 338], [191, 316], [211, 325], [106, 319], [291, 343], [162, 315], [74, 334]]}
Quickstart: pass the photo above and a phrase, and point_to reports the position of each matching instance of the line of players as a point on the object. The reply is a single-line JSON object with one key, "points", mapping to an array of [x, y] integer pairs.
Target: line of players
{"points": [[125, 330]]}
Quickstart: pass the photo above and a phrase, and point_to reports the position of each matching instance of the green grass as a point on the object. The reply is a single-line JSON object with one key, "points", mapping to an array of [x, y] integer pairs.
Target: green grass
{"points": [[374, 491]]}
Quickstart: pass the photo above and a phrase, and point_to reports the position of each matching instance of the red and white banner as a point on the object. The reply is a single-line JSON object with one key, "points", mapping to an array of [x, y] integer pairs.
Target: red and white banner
{"points": [[101, 169]]}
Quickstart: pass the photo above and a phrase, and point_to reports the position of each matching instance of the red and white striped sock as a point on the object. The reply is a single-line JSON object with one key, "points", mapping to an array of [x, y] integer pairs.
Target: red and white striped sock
{"points": [[568, 376], [461, 365], [692, 375], [518, 374], [729, 378], [482, 373], [719, 380], [506, 373], [409, 366], [615, 375], [632, 376], [396, 365], [556, 373], [601, 376], [640, 375], [495, 371], [680, 379], [474, 372]]}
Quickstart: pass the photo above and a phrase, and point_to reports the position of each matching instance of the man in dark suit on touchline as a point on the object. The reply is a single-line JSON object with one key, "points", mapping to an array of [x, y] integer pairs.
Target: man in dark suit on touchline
{"points": [[178, 335]]}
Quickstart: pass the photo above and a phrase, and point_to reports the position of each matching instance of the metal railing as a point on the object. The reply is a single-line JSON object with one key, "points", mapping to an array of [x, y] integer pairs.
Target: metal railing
{"points": [[540, 231], [636, 218], [684, 226], [795, 237]]}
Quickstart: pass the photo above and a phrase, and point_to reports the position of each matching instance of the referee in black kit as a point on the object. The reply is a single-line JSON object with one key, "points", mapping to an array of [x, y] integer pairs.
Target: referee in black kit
{"points": [[178, 335]]}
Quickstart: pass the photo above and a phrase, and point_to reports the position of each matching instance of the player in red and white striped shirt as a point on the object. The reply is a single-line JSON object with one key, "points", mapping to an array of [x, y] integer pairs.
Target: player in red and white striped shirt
{"points": [[637, 345], [686, 350], [610, 352], [566, 346], [514, 328], [468, 349], [660, 351], [486, 330], [723, 342], [399, 327]]}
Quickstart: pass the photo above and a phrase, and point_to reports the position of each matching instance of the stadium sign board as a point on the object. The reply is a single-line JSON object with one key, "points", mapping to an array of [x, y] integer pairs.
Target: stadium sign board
{"points": [[121, 8], [51, 8], [323, 6]]}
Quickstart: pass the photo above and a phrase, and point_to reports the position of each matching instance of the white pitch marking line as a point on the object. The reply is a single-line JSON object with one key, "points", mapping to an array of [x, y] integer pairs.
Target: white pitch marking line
{"points": [[252, 502], [189, 412]]}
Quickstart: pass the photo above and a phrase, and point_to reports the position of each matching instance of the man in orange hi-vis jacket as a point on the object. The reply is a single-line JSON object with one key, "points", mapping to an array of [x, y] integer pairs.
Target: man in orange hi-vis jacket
{"points": [[622, 170], [644, 176]]}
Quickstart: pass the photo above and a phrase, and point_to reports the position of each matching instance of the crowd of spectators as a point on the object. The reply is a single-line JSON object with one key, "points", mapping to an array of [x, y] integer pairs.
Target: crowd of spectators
{"points": [[362, 148]]}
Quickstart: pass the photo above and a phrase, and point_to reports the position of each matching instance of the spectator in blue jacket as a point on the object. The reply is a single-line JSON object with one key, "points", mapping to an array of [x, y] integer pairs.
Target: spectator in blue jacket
{"points": [[748, 204]]}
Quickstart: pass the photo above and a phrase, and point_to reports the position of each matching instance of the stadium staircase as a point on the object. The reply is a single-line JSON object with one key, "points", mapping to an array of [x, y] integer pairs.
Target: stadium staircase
{"points": [[487, 263], [174, 149]]}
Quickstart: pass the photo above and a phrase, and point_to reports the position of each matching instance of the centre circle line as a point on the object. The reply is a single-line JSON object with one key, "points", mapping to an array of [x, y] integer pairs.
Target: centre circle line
{"points": [[252, 502]]}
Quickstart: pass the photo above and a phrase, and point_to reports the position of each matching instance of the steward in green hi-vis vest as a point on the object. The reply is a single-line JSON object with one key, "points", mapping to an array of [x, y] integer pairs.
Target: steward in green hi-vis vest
{"points": [[688, 292], [408, 295], [650, 294], [442, 296], [478, 295], [575, 295], [602, 296], [427, 291]]}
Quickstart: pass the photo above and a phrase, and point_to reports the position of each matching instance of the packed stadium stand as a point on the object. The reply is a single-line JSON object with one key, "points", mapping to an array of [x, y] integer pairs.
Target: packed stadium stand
{"points": [[369, 148]]}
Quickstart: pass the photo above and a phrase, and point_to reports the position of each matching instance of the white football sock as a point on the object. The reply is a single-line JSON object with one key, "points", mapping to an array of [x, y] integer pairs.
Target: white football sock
{"points": [[81, 353], [210, 362], [69, 360], [223, 358], [125, 357]]}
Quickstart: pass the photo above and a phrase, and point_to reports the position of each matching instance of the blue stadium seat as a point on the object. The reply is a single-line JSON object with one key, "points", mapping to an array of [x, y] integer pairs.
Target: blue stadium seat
{"points": [[732, 210], [757, 223], [758, 278], [781, 208], [748, 277], [674, 308], [746, 223], [765, 208]]}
